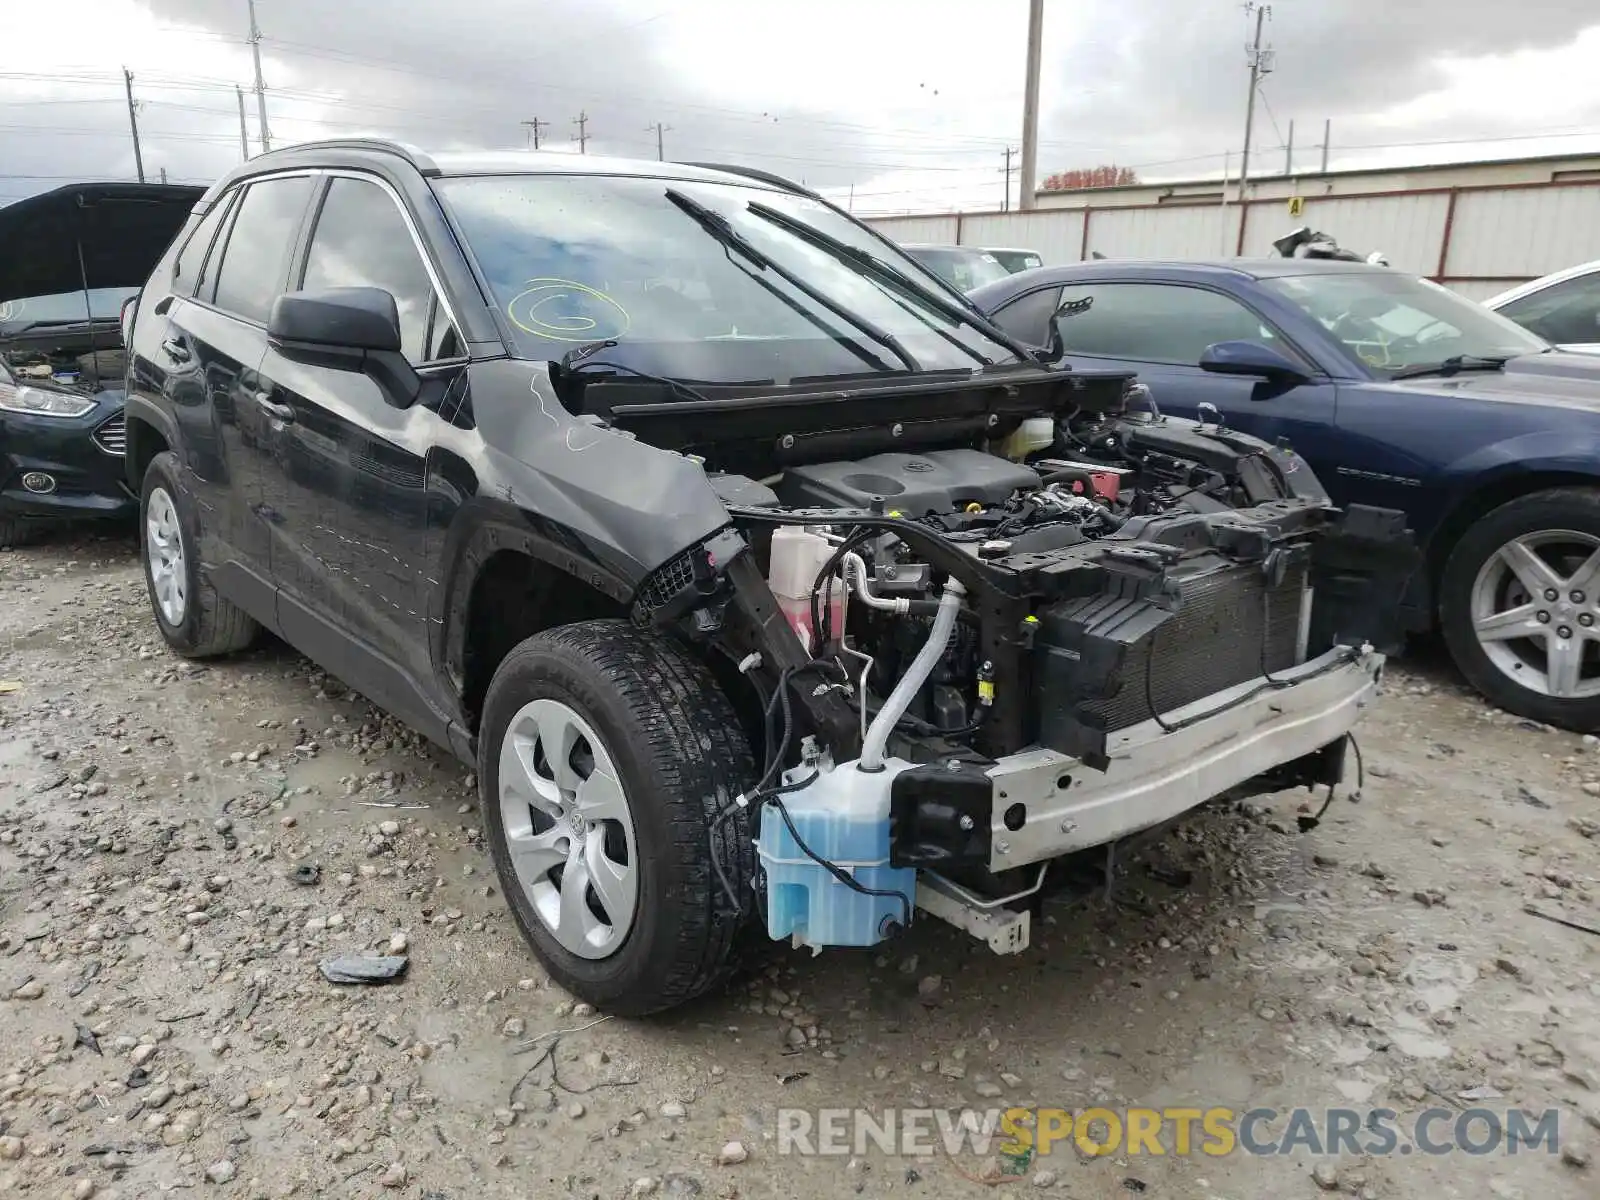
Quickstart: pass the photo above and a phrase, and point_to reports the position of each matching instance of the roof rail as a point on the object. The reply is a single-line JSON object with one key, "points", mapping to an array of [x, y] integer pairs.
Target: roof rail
{"points": [[412, 154], [787, 185]]}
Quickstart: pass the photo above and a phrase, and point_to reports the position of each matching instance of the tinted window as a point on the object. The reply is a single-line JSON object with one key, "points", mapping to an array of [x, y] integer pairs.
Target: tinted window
{"points": [[1153, 322], [1563, 312], [963, 269], [186, 270], [256, 259], [361, 240], [1028, 317]]}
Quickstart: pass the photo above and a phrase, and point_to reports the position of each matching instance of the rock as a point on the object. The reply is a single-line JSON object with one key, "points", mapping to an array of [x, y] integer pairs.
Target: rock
{"points": [[83, 1189], [394, 1175], [513, 1027], [1325, 1176], [11, 1148], [929, 986], [358, 968], [1575, 1154], [221, 1171], [141, 1054], [1045, 1179], [987, 1090], [389, 828], [575, 1110], [644, 1186], [732, 1154], [398, 943], [31, 990], [672, 1111]]}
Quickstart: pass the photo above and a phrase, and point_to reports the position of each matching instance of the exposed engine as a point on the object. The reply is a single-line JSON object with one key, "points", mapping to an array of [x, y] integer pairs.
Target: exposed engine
{"points": [[1024, 604]]}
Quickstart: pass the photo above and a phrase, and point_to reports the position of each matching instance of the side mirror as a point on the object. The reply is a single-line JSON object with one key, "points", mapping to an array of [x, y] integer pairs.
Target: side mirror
{"points": [[1252, 358], [346, 329]]}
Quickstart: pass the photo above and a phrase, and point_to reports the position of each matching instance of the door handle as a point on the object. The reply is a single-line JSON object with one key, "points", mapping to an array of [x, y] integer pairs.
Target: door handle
{"points": [[176, 350], [278, 412]]}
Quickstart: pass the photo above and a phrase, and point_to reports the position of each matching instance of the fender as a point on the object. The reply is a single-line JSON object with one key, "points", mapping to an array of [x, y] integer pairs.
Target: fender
{"points": [[484, 527], [1543, 452], [139, 408]]}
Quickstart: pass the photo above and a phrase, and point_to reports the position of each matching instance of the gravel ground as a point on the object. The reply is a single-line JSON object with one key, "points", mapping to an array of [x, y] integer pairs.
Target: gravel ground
{"points": [[181, 845]]}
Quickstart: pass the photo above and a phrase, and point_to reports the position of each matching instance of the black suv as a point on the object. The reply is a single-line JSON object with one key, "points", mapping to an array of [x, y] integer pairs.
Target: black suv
{"points": [[571, 463]]}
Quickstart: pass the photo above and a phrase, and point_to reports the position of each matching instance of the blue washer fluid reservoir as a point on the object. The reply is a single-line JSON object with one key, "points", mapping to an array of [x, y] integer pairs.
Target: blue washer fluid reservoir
{"points": [[844, 818]]}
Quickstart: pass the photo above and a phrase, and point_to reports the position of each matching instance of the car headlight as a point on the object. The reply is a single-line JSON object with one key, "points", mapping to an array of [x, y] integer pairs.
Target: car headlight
{"points": [[41, 402]]}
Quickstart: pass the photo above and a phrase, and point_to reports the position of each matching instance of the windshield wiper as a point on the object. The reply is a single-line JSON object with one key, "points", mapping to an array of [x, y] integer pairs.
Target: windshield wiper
{"points": [[1455, 364], [719, 227], [873, 267]]}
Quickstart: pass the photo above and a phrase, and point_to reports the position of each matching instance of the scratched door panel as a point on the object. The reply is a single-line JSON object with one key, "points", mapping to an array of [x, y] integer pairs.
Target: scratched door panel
{"points": [[346, 504]]}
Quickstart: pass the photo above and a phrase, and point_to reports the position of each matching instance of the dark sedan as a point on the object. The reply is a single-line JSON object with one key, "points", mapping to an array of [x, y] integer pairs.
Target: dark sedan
{"points": [[69, 258], [1401, 394]]}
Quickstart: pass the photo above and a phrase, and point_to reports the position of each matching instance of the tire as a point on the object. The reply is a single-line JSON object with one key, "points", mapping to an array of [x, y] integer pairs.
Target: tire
{"points": [[680, 757], [14, 531], [204, 624], [1554, 538]]}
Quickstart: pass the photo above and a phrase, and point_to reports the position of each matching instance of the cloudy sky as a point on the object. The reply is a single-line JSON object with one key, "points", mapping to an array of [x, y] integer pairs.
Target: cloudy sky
{"points": [[899, 104]]}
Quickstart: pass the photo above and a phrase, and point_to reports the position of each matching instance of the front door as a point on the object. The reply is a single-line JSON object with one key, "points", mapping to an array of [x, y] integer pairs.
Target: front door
{"points": [[345, 491]]}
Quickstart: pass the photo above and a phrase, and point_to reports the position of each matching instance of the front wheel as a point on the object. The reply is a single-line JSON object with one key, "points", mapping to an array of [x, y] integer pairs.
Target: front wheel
{"points": [[1519, 603], [606, 757]]}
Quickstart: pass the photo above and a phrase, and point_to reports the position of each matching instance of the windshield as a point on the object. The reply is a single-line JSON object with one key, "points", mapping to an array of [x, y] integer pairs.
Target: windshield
{"points": [[962, 269], [1392, 321], [105, 304], [572, 259]]}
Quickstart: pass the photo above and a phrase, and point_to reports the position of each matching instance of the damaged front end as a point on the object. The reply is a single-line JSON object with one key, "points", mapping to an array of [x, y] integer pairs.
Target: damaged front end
{"points": [[1038, 628]]}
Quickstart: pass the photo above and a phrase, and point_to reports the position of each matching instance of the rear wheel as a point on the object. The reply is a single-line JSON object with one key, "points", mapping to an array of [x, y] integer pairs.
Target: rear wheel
{"points": [[606, 756], [194, 619], [1519, 604]]}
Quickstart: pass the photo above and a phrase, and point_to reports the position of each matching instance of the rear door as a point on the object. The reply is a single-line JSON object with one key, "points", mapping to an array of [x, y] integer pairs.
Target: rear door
{"points": [[211, 352], [345, 487]]}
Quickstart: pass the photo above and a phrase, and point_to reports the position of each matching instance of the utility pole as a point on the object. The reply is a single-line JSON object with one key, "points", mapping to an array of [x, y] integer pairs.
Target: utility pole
{"points": [[1030, 108], [133, 123], [658, 129], [1260, 64], [244, 133], [1327, 131], [533, 127], [1005, 205], [163, 176], [1288, 151], [261, 87], [582, 122]]}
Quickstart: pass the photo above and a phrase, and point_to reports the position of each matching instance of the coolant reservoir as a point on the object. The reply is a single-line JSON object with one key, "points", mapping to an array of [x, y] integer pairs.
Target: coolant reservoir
{"points": [[798, 556], [1033, 435], [842, 817]]}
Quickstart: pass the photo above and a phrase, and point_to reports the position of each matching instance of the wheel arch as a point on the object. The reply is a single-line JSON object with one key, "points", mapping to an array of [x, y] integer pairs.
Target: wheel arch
{"points": [[149, 433], [1483, 498]]}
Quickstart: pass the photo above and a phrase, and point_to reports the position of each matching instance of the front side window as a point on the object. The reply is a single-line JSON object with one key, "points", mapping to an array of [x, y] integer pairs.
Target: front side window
{"points": [[1392, 322], [362, 240], [574, 259], [1027, 318], [255, 261], [1153, 322], [1564, 313]]}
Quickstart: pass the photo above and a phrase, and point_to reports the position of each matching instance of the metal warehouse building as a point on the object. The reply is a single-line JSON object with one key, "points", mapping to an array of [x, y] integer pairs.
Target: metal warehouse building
{"points": [[1479, 227]]}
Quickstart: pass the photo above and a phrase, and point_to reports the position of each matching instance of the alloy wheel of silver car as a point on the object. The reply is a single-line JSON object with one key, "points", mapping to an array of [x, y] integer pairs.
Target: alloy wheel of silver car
{"points": [[568, 828], [1535, 610], [169, 576]]}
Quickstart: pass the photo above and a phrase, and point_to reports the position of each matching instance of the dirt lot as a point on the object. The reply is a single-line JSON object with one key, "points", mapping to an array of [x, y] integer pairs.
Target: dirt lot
{"points": [[163, 1024]]}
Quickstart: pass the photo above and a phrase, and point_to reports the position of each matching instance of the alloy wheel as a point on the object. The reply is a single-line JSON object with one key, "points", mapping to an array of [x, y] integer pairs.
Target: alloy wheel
{"points": [[568, 828], [1535, 610], [169, 577]]}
